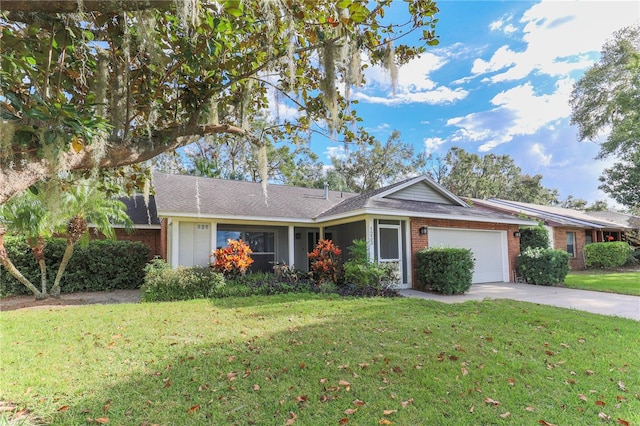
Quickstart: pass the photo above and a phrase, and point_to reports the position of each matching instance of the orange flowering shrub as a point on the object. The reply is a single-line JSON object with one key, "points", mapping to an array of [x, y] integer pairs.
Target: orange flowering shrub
{"points": [[325, 262], [234, 259]]}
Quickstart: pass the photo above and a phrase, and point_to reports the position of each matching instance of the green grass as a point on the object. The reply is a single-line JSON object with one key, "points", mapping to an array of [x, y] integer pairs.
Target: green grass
{"points": [[266, 360], [610, 282]]}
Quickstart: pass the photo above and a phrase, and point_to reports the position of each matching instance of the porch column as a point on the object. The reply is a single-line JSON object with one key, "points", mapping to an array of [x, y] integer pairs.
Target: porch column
{"points": [[406, 278], [292, 244], [369, 232], [214, 240], [175, 243]]}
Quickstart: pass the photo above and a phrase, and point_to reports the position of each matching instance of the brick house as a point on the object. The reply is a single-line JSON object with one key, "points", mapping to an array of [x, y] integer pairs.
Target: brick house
{"points": [[569, 229], [200, 214]]}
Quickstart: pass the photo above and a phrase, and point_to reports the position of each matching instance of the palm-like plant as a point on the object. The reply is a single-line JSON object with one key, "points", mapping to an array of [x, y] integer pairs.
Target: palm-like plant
{"points": [[84, 203], [28, 215]]}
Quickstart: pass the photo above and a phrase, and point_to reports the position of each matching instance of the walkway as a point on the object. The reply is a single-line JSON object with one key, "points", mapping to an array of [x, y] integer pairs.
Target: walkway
{"points": [[590, 301]]}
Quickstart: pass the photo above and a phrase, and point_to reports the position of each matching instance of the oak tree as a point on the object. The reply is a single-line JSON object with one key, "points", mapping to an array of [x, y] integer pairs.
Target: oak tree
{"points": [[106, 83]]}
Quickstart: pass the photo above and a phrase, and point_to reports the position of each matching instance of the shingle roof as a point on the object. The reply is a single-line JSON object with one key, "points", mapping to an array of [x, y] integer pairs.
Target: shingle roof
{"points": [[180, 195], [555, 215], [208, 197], [622, 219], [139, 212]]}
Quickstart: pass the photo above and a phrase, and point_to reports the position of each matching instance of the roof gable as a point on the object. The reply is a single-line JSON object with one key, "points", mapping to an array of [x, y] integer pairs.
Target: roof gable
{"points": [[422, 189]]}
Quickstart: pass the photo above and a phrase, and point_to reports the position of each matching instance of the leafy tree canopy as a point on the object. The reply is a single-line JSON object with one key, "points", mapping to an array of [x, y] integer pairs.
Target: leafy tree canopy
{"points": [[110, 83], [371, 166], [489, 176]]}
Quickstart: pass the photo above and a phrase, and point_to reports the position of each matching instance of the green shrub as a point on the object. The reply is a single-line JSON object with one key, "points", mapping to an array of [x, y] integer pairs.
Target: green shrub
{"points": [[535, 237], [360, 271], [606, 255], [162, 284], [100, 265], [543, 266], [445, 270]]}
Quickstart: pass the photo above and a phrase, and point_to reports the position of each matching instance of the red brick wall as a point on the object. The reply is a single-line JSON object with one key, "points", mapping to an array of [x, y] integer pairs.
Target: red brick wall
{"points": [[148, 237], [560, 243], [418, 242]]}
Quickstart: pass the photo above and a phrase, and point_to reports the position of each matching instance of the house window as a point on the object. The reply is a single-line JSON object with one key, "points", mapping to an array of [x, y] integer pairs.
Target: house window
{"points": [[571, 243], [262, 243]]}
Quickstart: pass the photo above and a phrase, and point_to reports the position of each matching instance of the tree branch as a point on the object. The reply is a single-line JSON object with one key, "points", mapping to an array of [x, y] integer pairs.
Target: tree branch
{"points": [[71, 6]]}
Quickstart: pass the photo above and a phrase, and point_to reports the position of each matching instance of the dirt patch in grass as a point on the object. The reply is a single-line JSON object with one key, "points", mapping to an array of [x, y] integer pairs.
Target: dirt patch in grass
{"points": [[70, 299]]}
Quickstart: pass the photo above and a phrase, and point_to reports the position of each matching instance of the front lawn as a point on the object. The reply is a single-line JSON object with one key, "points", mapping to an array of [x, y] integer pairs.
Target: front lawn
{"points": [[610, 282], [311, 359]]}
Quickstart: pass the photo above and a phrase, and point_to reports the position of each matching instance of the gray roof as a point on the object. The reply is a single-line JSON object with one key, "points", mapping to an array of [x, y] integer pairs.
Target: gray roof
{"points": [[622, 219], [141, 213], [207, 197], [192, 196], [551, 214]]}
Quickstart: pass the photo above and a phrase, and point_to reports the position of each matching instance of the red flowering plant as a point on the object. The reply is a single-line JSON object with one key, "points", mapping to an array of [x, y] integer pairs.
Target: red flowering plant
{"points": [[232, 260], [325, 262]]}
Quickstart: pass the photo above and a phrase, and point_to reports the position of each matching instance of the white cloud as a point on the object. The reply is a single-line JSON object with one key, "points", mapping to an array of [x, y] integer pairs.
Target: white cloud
{"points": [[414, 84], [503, 25], [538, 154], [519, 111], [336, 152], [558, 45], [432, 144]]}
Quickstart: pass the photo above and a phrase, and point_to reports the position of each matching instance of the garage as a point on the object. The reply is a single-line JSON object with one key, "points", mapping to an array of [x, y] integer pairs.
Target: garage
{"points": [[489, 250]]}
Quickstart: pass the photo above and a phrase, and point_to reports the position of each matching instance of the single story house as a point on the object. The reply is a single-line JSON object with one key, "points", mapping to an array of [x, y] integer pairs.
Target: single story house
{"points": [[200, 214], [146, 224], [569, 229]]}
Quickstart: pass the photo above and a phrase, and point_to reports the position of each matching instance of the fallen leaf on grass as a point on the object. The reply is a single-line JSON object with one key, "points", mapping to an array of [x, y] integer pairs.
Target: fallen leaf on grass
{"points": [[622, 422], [622, 387], [505, 415], [256, 387], [63, 408], [601, 403], [343, 421], [194, 408], [350, 411], [492, 401], [603, 416], [358, 403], [407, 402], [385, 422], [589, 372], [472, 409], [544, 423], [102, 420], [389, 412], [582, 396], [292, 418], [529, 408], [511, 381]]}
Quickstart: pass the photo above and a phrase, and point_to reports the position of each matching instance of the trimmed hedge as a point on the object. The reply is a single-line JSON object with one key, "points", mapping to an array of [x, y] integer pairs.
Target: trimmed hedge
{"points": [[163, 284], [445, 270], [543, 266], [534, 237], [606, 255], [98, 266]]}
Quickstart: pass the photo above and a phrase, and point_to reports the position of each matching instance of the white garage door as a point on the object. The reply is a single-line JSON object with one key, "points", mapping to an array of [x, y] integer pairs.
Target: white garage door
{"points": [[489, 250]]}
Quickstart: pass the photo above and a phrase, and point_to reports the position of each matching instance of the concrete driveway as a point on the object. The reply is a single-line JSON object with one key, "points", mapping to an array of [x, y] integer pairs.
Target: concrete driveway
{"points": [[590, 301]]}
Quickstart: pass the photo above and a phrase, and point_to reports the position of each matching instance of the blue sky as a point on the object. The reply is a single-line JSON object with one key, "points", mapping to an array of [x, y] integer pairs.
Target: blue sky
{"points": [[499, 82]]}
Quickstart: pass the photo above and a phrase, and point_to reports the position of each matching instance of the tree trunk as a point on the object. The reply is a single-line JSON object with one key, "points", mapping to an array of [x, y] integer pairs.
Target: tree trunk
{"points": [[38, 253], [14, 180], [10, 267], [68, 252]]}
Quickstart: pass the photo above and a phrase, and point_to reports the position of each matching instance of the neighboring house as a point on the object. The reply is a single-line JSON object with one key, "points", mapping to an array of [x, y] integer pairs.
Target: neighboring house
{"points": [[146, 225], [569, 229], [199, 214]]}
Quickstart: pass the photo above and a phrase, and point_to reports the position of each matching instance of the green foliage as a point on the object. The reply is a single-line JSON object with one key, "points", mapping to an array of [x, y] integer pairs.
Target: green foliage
{"points": [[445, 270], [373, 165], [543, 266], [535, 237], [361, 272], [100, 265], [606, 100], [490, 176], [62, 95], [606, 255], [163, 284]]}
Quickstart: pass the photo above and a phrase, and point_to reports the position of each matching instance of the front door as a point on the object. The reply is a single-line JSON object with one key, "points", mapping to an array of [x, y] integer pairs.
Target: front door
{"points": [[390, 245]]}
